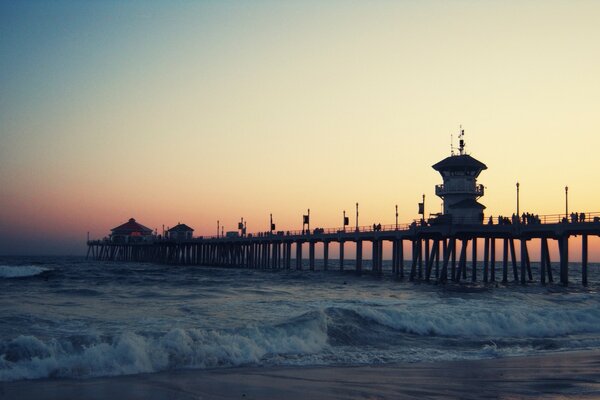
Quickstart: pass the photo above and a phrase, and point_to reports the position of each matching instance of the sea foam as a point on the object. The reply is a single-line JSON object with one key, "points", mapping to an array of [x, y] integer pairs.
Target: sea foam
{"points": [[27, 357], [21, 271]]}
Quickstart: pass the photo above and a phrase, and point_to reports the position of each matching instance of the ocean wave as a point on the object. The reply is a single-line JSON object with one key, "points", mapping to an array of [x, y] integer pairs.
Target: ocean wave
{"points": [[352, 334], [21, 271], [28, 357], [475, 322]]}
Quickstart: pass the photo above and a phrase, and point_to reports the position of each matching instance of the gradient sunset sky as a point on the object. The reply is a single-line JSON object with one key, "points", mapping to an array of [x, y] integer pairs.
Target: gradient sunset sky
{"points": [[194, 112]]}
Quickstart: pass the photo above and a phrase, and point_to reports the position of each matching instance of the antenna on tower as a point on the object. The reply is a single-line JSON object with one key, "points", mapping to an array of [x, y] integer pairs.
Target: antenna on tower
{"points": [[461, 141], [451, 144]]}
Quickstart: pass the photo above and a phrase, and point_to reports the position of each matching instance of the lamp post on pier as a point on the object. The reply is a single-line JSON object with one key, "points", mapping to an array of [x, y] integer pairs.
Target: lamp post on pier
{"points": [[218, 228], [567, 202], [396, 216], [356, 217], [518, 198]]}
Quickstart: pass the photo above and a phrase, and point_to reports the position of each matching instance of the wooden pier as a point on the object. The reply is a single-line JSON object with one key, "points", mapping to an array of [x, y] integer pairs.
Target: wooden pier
{"points": [[437, 252]]}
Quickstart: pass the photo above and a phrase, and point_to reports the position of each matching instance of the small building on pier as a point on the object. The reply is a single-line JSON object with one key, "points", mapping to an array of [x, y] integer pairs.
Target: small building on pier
{"points": [[180, 232], [460, 190], [131, 232]]}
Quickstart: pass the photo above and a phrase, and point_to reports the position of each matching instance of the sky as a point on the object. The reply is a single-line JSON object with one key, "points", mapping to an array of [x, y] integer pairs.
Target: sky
{"points": [[193, 112]]}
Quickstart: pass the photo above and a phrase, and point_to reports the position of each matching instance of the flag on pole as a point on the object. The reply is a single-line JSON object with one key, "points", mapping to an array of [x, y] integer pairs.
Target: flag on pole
{"points": [[305, 219], [272, 227], [421, 208], [346, 221]]}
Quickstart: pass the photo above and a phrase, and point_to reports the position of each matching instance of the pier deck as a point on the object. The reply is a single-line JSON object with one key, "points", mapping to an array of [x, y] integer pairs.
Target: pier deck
{"points": [[436, 251]]}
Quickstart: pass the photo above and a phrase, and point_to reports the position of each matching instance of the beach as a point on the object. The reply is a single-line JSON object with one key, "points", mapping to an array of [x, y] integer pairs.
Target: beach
{"points": [[568, 375]]}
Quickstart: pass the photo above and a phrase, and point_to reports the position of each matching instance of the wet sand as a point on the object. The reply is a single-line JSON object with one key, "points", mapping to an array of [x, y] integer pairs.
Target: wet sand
{"points": [[574, 375]]}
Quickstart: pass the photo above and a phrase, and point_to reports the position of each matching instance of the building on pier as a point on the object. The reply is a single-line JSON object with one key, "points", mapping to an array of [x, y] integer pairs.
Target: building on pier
{"points": [[460, 190], [180, 232], [131, 232]]}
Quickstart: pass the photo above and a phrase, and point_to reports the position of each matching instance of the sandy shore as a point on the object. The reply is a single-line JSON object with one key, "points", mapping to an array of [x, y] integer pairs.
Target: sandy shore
{"points": [[562, 376]]}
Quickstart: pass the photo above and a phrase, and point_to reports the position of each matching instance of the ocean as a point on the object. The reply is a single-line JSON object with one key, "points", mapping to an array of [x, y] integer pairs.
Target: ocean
{"points": [[65, 317]]}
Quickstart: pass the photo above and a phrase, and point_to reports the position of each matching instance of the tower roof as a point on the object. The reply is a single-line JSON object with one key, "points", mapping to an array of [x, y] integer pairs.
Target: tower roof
{"points": [[460, 162], [131, 226]]}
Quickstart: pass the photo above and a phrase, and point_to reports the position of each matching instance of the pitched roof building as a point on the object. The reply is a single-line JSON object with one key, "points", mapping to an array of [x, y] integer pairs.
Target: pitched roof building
{"points": [[180, 232], [130, 231]]}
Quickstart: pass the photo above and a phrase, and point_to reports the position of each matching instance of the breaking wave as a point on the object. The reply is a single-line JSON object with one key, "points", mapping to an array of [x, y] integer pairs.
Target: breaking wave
{"points": [[327, 336], [22, 271], [27, 357]]}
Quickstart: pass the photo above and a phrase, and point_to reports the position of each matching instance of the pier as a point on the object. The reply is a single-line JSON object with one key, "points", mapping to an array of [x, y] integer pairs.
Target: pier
{"points": [[435, 252]]}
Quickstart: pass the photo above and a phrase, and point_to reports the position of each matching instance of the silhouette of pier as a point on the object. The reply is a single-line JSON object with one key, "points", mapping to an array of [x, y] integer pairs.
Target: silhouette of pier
{"points": [[436, 252]]}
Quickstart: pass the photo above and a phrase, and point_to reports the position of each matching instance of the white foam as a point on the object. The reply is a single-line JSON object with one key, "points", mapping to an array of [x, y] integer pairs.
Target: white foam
{"points": [[131, 353], [20, 271]]}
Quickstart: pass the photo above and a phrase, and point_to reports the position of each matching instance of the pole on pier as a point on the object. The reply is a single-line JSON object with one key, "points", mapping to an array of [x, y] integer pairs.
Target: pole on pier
{"points": [[493, 259], [394, 257], [584, 259], [437, 260], [401, 258], [486, 258], [518, 198], [359, 248], [528, 263], [462, 266], [415, 251], [505, 261], [445, 257], [514, 260], [448, 249], [341, 255], [427, 254], [356, 217], [420, 251], [563, 243], [396, 219], [567, 202], [298, 255], [430, 259], [275, 255], [523, 260], [453, 270], [474, 261], [373, 255], [542, 262], [548, 261]]}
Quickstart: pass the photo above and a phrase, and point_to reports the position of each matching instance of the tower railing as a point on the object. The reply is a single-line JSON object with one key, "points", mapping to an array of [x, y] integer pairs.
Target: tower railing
{"points": [[443, 190]]}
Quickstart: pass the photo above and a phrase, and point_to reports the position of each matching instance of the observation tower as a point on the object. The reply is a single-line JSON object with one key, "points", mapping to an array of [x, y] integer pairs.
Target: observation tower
{"points": [[460, 190]]}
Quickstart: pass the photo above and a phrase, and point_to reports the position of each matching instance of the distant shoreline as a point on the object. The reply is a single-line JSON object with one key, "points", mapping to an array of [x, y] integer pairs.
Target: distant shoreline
{"points": [[570, 374]]}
